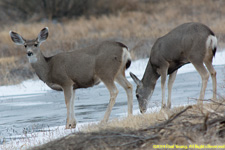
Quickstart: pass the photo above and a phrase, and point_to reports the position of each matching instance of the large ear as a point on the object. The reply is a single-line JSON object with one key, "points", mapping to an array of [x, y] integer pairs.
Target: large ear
{"points": [[16, 38], [43, 35], [135, 78]]}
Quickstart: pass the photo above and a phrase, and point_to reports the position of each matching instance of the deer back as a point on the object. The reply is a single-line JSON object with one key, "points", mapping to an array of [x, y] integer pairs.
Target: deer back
{"points": [[85, 66], [179, 46]]}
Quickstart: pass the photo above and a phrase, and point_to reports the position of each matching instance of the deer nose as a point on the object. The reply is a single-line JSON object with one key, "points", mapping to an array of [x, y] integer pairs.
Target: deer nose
{"points": [[29, 53]]}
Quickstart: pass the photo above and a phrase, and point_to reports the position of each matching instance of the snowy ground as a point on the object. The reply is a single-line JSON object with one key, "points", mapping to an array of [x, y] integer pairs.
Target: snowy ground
{"points": [[19, 96]]}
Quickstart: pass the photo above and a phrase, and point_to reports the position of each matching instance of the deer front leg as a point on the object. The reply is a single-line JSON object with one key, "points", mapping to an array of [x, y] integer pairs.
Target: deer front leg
{"points": [[172, 78], [163, 81], [69, 95], [163, 73]]}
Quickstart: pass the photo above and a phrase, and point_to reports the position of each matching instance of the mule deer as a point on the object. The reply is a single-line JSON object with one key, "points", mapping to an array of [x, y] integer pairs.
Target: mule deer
{"points": [[188, 43], [83, 68]]}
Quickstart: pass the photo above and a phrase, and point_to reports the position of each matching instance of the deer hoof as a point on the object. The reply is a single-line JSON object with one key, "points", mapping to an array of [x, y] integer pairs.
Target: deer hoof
{"points": [[71, 124]]}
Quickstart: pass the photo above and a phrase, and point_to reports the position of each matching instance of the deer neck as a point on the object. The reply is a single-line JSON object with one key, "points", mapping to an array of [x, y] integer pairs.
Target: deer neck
{"points": [[41, 67], [150, 77]]}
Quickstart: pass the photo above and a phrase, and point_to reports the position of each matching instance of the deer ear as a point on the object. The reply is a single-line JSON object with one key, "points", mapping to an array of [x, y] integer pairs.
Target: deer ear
{"points": [[43, 35], [135, 78], [16, 38]]}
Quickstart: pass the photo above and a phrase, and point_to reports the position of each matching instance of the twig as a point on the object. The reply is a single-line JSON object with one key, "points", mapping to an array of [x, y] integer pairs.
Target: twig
{"points": [[212, 111], [114, 136], [216, 120], [177, 115], [205, 123], [219, 103], [163, 124], [154, 137]]}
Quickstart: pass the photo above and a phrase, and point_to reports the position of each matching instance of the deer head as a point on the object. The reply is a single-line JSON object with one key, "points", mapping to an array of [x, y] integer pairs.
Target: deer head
{"points": [[32, 46], [142, 93]]}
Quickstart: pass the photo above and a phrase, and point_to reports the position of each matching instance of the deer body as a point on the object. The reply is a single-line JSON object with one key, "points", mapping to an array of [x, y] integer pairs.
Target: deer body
{"points": [[83, 68], [188, 43]]}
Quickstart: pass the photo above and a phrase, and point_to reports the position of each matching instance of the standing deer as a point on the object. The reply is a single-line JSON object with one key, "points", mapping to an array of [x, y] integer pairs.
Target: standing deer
{"points": [[188, 43], [83, 68]]}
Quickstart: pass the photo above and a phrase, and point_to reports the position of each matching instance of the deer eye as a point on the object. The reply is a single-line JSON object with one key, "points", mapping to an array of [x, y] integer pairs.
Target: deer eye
{"points": [[25, 46], [35, 45]]}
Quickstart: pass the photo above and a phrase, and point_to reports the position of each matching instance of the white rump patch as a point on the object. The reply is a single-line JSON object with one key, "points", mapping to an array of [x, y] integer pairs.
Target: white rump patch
{"points": [[125, 55], [211, 42]]}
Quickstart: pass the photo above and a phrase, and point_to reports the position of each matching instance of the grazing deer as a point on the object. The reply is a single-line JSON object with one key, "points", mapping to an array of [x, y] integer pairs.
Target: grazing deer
{"points": [[188, 43], [81, 68]]}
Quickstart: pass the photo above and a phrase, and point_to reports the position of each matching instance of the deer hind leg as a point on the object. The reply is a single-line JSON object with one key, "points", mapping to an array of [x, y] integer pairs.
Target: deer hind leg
{"points": [[172, 78], [212, 71], [69, 95], [121, 79], [113, 94], [205, 76]]}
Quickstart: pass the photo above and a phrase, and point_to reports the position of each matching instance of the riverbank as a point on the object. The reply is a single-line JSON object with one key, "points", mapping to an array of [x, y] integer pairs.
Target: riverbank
{"points": [[187, 127]]}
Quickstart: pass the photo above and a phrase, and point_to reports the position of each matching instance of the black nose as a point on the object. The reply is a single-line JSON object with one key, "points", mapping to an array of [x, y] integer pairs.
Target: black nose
{"points": [[29, 53], [141, 111]]}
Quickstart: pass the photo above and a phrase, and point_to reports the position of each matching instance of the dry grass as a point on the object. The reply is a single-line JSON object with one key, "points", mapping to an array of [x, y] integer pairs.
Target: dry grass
{"points": [[184, 126], [146, 24]]}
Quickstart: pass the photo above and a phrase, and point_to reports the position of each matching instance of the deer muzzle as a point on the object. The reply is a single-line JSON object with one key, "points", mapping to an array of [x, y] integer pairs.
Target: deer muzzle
{"points": [[29, 53]]}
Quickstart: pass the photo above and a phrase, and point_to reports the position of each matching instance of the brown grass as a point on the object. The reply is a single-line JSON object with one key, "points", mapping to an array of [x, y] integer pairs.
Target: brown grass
{"points": [[148, 22], [184, 126]]}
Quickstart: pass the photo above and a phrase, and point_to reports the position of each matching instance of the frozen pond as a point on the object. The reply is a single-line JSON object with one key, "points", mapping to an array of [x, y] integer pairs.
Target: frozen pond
{"points": [[31, 106]]}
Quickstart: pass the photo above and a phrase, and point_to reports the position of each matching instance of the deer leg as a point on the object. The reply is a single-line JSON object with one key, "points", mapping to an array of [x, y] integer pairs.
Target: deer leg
{"points": [[69, 95], [205, 76], [73, 125], [121, 79], [172, 78], [113, 94], [163, 83], [213, 76]]}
